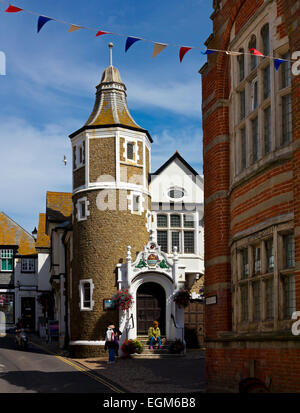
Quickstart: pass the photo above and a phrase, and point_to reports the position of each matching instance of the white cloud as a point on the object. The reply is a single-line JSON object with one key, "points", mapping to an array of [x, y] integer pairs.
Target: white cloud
{"points": [[187, 141], [31, 164]]}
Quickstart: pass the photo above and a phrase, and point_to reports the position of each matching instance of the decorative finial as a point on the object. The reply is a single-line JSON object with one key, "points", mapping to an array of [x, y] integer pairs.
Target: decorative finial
{"points": [[110, 45]]}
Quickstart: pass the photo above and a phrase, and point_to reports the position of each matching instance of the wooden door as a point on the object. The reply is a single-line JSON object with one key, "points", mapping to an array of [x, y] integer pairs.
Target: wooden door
{"points": [[194, 324], [151, 304], [28, 312]]}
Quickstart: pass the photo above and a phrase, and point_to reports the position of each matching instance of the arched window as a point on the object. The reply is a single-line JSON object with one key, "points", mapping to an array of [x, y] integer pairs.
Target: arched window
{"points": [[241, 62], [252, 45], [265, 36]]}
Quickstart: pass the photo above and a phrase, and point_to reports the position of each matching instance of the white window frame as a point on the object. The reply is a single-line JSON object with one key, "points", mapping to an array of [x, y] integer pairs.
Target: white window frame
{"points": [[78, 208], [27, 269], [135, 150], [81, 295], [140, 204]]}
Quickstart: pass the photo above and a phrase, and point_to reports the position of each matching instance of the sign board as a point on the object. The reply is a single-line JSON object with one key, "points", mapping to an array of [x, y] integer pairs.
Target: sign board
{"points": [[211, 300], [108, 304]]}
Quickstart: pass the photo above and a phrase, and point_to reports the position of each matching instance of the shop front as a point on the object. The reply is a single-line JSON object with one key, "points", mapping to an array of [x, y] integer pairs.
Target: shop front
{"points": [[7, 310]]}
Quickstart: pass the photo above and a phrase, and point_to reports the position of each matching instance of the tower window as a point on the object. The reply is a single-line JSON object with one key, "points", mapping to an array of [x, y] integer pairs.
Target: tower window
{"points": [[130, 151], [86, 291], [82, 209], [136, 202]]}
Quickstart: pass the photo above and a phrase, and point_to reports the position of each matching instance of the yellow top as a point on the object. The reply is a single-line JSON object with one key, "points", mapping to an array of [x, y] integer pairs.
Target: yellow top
{"points": [[154, 332]]}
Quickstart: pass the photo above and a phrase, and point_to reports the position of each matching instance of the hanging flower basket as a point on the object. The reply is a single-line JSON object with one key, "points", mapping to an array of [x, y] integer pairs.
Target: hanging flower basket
{"points": [[123, 299], [182, 298]]}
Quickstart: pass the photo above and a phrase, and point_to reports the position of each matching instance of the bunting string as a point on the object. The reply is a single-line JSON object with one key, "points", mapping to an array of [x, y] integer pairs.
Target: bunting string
{"points": [[158, 47]]}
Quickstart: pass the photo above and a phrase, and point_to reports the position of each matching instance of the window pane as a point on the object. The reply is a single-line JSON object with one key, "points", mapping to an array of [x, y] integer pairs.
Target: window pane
{"points": [[286, 119], [86, 295], [253, 60], [136, 202], [245, 267], [270, 255], [269, 300], [175, 240], [289, 296], [244, 303], [189, 221], [254, 124], [129, 150], [265, 39], [267, 130], [82, 207], [242, 104], [286, 71], [267, 82], [289, 249], [241, 63], [254, 94], [256, 301], [256, 260], [243, 149], [162, 240], [189, 241], [175, 221], [162, 220]]}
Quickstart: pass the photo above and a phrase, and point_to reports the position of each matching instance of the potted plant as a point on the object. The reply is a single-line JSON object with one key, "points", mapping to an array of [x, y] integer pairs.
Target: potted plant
{"points": [[131, 346], [123, 299], [176, 347], [182, 298]]}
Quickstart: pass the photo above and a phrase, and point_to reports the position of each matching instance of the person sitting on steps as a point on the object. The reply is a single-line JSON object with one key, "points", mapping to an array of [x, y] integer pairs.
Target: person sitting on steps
{"points": [[154, 335]]}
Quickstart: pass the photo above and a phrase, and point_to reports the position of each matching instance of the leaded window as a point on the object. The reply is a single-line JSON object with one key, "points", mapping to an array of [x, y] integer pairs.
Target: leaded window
{"points": [[189, 241], [6, 256], [162, 221], [286, 119], [162, 240]]}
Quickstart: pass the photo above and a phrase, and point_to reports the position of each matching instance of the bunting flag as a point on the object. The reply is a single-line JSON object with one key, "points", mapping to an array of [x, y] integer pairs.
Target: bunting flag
{"points": [[277, 63], [208, 51], [73, 28], [42, 20], [12, 9], [183, 51], [130, 41], [158, 48], [100, 32], [256, 52]]}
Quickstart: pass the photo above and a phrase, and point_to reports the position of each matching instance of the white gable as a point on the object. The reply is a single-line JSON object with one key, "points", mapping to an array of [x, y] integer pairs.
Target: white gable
{"points": [[177, 176]]}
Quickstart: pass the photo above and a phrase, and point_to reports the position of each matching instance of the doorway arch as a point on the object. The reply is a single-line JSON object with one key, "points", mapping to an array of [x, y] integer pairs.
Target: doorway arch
{"points": [[151, 305]]}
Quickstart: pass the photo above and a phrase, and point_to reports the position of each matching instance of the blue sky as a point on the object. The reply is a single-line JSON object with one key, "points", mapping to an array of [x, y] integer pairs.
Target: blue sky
{"points": [[49, 88]]}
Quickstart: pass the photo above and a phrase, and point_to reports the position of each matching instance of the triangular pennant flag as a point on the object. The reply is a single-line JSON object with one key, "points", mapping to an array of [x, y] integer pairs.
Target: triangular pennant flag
{"points": [[183, 51], [208, 51], [12, 9], [73, 28], [42, 20], [130, 41], [101, 32], [277, 63], [158, 48], [256, 52]]}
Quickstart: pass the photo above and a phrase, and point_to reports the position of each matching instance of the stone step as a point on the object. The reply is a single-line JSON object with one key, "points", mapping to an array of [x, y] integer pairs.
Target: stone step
{"points": [[156, 356]]}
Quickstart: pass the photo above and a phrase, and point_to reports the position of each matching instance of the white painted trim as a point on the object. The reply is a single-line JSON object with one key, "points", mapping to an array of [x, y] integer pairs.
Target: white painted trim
{"points": [[81, 282], [86, 343], [87, 212], [112, 185]]}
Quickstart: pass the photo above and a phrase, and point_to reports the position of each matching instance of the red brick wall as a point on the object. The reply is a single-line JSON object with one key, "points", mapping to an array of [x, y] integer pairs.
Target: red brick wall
{"points": [[225, 365]]}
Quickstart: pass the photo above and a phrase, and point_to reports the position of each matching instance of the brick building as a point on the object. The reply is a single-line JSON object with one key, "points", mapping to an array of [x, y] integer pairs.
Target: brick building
{"points": [[251, 152]]}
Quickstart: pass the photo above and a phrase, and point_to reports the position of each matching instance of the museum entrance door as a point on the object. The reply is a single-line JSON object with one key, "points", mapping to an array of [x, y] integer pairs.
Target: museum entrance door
{"points": [[151, 305]]}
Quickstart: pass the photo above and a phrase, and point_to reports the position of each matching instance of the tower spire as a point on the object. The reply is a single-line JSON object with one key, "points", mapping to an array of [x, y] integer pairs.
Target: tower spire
{"points": [[110, 45]]}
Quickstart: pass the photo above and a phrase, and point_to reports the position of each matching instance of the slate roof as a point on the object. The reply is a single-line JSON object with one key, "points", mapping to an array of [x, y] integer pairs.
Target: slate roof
{"points": [[12, 234]]}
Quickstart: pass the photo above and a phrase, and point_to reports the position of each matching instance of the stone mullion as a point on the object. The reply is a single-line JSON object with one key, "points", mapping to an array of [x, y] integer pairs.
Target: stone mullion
{"points": [[276, 279]]}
